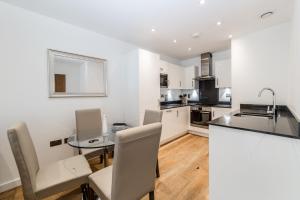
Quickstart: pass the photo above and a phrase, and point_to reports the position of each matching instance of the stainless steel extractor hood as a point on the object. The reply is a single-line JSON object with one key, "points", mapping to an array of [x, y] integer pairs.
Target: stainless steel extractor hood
{"points": [[206, 67]]}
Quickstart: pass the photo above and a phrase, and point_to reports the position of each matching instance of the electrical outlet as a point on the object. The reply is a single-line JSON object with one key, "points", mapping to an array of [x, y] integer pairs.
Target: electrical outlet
{"points": [[55, 143], [66, 140]]}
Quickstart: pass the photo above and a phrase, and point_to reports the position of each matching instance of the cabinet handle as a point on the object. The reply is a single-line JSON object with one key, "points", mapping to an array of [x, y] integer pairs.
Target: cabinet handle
{"points": [[217, 82], [168, 110], [177, 113], [180, 83], [213, 114], [192, 83]]}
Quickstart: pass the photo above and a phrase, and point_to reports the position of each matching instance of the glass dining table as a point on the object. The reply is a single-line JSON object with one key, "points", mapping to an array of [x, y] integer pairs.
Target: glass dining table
{"points": [[105, 141]]}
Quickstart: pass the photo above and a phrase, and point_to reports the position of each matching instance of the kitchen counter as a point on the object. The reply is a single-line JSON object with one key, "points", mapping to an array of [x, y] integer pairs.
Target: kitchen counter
{"points": [[285, 124], [177, 105]]}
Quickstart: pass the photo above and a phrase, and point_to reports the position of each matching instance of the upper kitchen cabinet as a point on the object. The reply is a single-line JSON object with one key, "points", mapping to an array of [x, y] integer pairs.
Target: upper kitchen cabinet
{"points": [[175, 76], [222, 72], [163, 67], [190, 74]]}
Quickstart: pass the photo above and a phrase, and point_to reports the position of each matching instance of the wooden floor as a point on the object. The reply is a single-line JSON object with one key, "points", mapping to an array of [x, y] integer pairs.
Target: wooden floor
{"points": [[183, 167]]}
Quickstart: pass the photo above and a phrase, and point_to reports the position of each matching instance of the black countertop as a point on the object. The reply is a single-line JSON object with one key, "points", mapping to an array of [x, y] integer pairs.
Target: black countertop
{"points": [[177, 104], [285, 124]]}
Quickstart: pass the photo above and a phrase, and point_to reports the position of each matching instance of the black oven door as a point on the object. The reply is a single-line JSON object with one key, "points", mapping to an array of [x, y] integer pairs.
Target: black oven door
{"points": [[163, 80], [200, 118]]}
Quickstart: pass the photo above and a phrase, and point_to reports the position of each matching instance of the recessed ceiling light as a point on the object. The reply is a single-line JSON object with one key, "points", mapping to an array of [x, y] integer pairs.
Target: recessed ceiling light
{"points": [[153, 30], [230, 36], [195, 35], [219, 23], [266, 14], [190, 49], [202, 2], [174, 41]]}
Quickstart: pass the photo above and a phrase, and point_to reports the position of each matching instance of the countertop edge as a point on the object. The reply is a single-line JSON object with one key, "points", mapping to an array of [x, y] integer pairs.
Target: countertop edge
{"points": [[254, 130]]}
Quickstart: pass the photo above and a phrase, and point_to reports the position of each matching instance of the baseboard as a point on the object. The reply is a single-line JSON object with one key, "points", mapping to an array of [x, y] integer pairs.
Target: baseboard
{"points": [[163, 142], [10, 185], [198, 131]]}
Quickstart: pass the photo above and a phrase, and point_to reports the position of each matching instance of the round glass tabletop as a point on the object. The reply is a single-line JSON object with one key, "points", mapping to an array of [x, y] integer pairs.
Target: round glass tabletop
{"points": [[102, 141]]}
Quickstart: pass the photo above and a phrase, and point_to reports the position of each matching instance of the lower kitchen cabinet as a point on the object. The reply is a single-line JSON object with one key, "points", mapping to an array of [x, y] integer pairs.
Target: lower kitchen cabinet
{"points": [[219, 112], [174, 123]]}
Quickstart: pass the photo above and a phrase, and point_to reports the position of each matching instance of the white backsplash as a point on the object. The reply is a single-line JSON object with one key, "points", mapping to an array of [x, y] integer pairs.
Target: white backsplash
{"points": [[173, 94], [224, 94]]}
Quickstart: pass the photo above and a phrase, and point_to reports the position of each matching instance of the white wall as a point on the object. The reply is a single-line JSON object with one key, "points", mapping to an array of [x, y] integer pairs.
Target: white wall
{"points": [[294, 76], [191, 61], [259, 60], [25, 38]]}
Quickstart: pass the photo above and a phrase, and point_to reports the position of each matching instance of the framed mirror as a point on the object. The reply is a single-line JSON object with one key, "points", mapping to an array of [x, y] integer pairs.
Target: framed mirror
{"points": [[72, 75]]}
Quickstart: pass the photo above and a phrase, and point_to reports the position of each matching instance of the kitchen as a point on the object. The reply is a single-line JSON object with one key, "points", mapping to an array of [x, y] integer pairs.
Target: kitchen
{"points": [[192, 96]]}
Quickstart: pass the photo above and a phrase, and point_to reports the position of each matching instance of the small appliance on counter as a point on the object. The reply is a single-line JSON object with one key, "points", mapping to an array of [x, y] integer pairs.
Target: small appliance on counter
{"points": [[184, 99]]}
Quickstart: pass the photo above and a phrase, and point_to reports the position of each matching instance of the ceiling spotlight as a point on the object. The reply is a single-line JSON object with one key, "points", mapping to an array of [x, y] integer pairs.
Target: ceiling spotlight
{"points": [[174, 41], [266, 14], [190, 49], [153, 30], [195, 35], [202, 2], [230, 36], [219, 23]]}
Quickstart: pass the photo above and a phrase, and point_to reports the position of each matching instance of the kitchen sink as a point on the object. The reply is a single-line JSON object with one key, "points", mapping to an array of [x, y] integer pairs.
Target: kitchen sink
{"points": [[257, 115]]}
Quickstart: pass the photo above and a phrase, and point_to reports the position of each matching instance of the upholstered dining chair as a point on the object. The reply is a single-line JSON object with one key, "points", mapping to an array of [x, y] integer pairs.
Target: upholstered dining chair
{"points": [[132, 174], [38, 183], [89, 125], [153, 116]]}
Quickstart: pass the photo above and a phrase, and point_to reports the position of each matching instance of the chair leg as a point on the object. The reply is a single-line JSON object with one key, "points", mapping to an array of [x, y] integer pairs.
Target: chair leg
{"points": [[91, 194], [151, 195], [84, 190], [157, 169], [101, 158]]}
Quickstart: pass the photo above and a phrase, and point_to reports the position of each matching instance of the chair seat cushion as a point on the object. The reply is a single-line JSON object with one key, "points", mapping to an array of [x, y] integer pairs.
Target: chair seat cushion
{"points": [[62, 175], [101, 182]]}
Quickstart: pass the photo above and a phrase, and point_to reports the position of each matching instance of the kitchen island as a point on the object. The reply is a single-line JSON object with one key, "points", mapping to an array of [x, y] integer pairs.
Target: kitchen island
{"points": [[254, 157]]}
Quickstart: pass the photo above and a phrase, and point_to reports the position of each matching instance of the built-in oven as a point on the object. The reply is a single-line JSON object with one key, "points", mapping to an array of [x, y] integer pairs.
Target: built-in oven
{"points": [[164, 80], [200, 116]]}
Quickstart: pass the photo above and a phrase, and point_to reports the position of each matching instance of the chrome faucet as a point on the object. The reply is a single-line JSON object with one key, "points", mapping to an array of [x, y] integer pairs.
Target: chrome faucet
{"points": [[273, 111]]}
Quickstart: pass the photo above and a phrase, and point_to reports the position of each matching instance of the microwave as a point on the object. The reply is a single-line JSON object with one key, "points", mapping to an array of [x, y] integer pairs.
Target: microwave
{"points": [[164, 80]]}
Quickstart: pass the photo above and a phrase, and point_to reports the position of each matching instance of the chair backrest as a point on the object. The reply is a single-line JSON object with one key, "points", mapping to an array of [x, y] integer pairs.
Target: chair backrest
{"points": [[88, 123], [152, 116], [25, 156], [134, 163]]}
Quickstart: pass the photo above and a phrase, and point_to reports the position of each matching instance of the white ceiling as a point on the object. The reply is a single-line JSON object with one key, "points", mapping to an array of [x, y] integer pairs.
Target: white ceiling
{"points": [[132, 20]]}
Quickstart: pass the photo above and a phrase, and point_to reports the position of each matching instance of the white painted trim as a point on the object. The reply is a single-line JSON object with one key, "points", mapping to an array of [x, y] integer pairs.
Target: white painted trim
{"points": [[172, 138], [198, 131], [10, 185]]}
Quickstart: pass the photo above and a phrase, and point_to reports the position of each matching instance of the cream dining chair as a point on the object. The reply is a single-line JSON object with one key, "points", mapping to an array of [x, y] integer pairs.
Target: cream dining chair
{"points": [[153, 116], [38, 183], [89, 125], [132, 174]]}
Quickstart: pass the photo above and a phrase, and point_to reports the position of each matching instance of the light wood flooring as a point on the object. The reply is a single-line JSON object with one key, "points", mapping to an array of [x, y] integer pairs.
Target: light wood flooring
{"points": [[183, 168]]}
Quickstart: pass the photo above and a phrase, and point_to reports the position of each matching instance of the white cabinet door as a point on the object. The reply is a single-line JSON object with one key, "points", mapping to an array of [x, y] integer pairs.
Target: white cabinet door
{"points": [[168, 122], [174, 122], [223, 73], [163, 67], [175, 76], [189, 82], [219, 112], [183, 119]]}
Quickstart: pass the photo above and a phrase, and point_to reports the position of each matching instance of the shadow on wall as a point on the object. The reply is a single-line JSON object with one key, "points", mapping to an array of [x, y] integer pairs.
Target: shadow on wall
{"points": [[5, 175]]}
